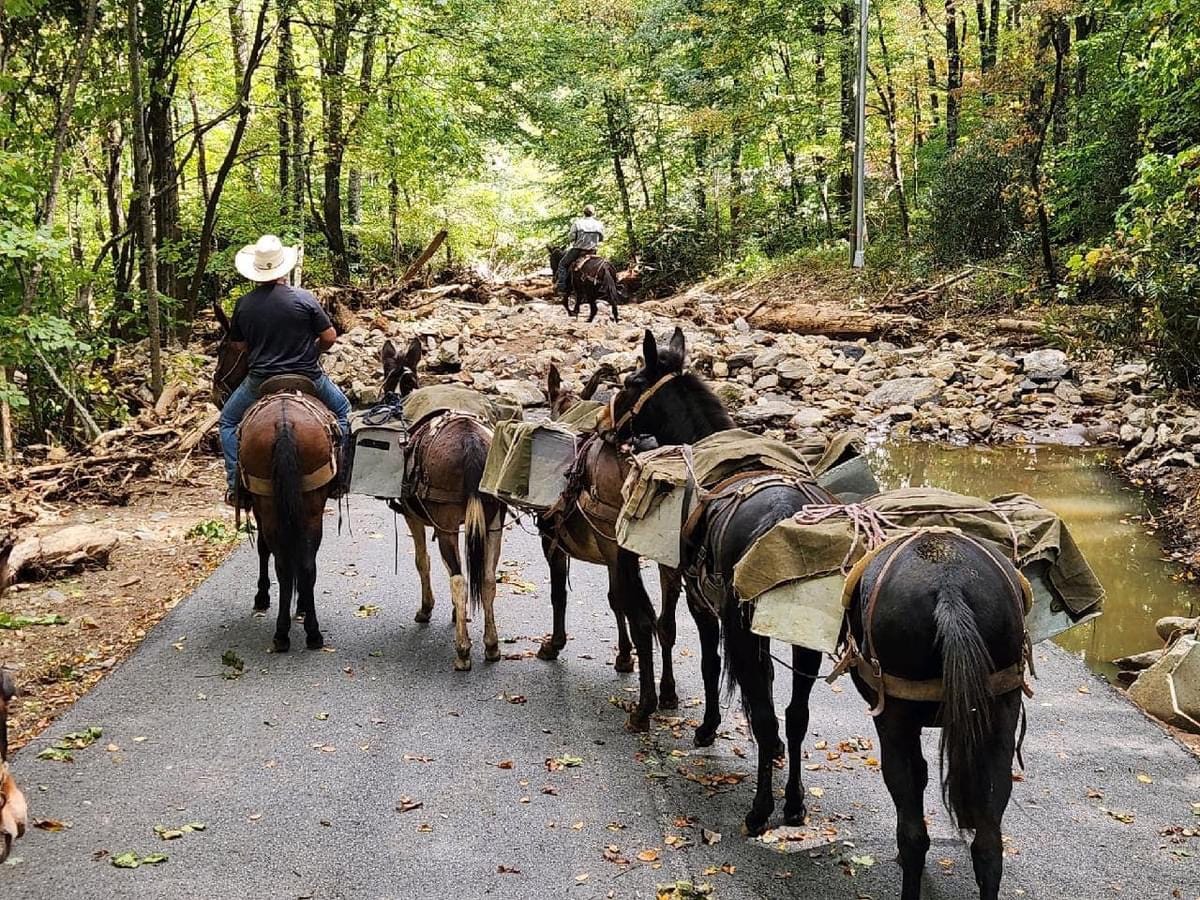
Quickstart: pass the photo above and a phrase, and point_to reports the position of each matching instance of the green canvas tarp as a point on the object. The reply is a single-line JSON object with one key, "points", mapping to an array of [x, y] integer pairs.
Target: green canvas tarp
{"points": [[713, 459], [655, 491], [1024, 529], [528, 463], [582, 417], [438, 398]]}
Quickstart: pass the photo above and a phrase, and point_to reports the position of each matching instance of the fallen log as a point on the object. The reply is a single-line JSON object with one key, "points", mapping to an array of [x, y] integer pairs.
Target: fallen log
{"points": [[426, 254], [167, 398], [68, 550], [191, 440], [836, 323]]}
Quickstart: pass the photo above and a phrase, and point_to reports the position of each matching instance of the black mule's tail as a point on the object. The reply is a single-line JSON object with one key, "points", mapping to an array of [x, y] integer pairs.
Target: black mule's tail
{"points": [[475, 520], [966, 704]]}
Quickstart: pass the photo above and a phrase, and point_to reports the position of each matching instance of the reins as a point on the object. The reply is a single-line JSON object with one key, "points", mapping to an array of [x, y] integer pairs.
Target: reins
{"points": [[638, 404]]}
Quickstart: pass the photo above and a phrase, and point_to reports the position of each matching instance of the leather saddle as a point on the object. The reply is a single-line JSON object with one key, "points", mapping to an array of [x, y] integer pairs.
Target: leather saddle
{"points": [[584, 256], [281, 384]]}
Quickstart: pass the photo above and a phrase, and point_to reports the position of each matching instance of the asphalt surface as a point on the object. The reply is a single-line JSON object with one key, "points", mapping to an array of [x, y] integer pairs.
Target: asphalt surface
{"points": [[297, 767]]}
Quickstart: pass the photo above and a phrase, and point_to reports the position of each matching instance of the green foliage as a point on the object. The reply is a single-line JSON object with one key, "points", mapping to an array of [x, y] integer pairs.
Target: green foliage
{"points": [[212, 530], [975, 204], [1155, 259]]}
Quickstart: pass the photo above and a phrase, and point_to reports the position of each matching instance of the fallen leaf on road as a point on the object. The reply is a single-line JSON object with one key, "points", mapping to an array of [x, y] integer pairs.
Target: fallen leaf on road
{"points": [[1123, 816], [507, 870], [1144, 778], [408, 804], [112, 748], [558, 763], [322, 717], [816, 791], [424, 828], [710, 837], [1094, 794], [415, 757], [367, 609], [517, 699], [51, 825], [503, 764], [612, 853], [551, 790], [649, 855]]}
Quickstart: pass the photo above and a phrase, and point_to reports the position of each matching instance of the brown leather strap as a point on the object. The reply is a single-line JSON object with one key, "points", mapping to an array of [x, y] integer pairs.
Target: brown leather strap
{"points": [[264, 487], [933, 690], [641, 401]]}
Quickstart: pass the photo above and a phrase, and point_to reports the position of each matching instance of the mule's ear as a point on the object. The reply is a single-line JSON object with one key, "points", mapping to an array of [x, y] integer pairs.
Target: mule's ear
{"points": [[415, 351], [553, 381], [388, 356], [677, 348], [650, 351]]}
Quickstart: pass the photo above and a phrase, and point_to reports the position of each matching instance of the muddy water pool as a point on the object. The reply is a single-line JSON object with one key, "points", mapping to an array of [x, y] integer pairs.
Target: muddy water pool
{"points": [[1106, 517]]}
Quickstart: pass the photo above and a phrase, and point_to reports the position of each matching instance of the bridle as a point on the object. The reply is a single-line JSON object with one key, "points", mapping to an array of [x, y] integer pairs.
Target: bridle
{"points": [[221, 377], [630, 414]]}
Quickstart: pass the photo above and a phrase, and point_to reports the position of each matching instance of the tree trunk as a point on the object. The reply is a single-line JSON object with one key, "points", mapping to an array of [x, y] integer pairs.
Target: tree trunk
{"points": [[699, 154], [953, 74], [846, 23], [284, 73], [145, 219], [354, 200], [735, 194], [45, 215], [1051, 34], [821, 126], [614, 146], [887, 99], [237, 34], [930, 65]]}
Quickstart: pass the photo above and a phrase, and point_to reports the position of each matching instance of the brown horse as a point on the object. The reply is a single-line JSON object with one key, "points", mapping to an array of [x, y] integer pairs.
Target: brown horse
{"points": [[447, 451], [13, 812], [592, 277], [287, 464], [583, 529]]}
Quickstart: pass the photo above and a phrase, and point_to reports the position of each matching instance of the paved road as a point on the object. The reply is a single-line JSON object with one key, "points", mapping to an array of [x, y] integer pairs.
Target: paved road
{"points": [[297, 767]]}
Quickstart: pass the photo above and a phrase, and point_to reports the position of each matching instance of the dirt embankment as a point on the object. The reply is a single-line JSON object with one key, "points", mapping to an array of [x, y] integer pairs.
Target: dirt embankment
{"points": [[790, 355]]}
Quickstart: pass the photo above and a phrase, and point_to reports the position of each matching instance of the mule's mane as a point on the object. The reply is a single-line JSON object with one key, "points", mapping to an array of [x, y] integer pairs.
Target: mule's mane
{"points": [[687, 410]]}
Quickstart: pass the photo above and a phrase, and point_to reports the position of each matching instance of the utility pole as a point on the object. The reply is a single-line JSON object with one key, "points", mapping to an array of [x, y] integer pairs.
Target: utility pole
{"points": [[859, 232]]}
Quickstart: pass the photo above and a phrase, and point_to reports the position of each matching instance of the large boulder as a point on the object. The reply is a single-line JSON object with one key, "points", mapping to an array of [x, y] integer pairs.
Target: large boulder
{"points": [[1045, 365], [1170, 689], [904, 392], [525, 393], [764, 412]]}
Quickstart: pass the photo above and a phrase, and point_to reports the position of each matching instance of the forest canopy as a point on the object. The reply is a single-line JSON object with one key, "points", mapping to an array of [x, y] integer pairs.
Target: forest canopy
{"points": [[143, 143]]}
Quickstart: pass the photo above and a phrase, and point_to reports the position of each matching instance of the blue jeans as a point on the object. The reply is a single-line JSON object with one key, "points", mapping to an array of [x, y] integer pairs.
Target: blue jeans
{"points": [[243, 398]]}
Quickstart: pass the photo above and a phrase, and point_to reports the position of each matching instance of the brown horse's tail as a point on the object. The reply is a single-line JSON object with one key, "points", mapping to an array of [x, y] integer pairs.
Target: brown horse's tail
{"points": [[287, 488], [475, 521]]}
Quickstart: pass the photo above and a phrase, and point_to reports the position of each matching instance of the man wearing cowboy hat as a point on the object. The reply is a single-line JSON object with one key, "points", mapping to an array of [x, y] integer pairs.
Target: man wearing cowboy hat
{"points": [[283, 330]]}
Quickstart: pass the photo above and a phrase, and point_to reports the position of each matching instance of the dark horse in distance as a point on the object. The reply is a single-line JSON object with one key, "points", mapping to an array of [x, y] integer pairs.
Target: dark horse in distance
{"points": [[938, 609], [592, 277]]}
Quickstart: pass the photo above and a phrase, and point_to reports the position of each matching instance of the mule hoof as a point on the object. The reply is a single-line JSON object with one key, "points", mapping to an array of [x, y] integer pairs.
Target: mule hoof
{"points": [[422, 616], [624, 663], [281, 645], [462, 663], [780, 753], [636, 724], [668, 700], [262, 605], [705, 735], [492, 654], [315, 641], [547, 651], [756, 825], [791, 817]]}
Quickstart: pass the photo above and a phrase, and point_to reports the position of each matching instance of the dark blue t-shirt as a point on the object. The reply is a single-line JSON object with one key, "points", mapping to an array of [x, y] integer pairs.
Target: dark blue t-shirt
{"points": [[280, 324]]}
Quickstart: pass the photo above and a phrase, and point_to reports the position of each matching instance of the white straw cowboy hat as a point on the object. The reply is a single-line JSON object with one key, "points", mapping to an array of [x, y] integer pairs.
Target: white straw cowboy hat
{"points": [[266, 260]]}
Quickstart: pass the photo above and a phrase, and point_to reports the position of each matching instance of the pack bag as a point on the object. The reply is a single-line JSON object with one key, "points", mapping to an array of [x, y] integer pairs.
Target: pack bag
{"points": [[528, 463], [379, 441]]}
